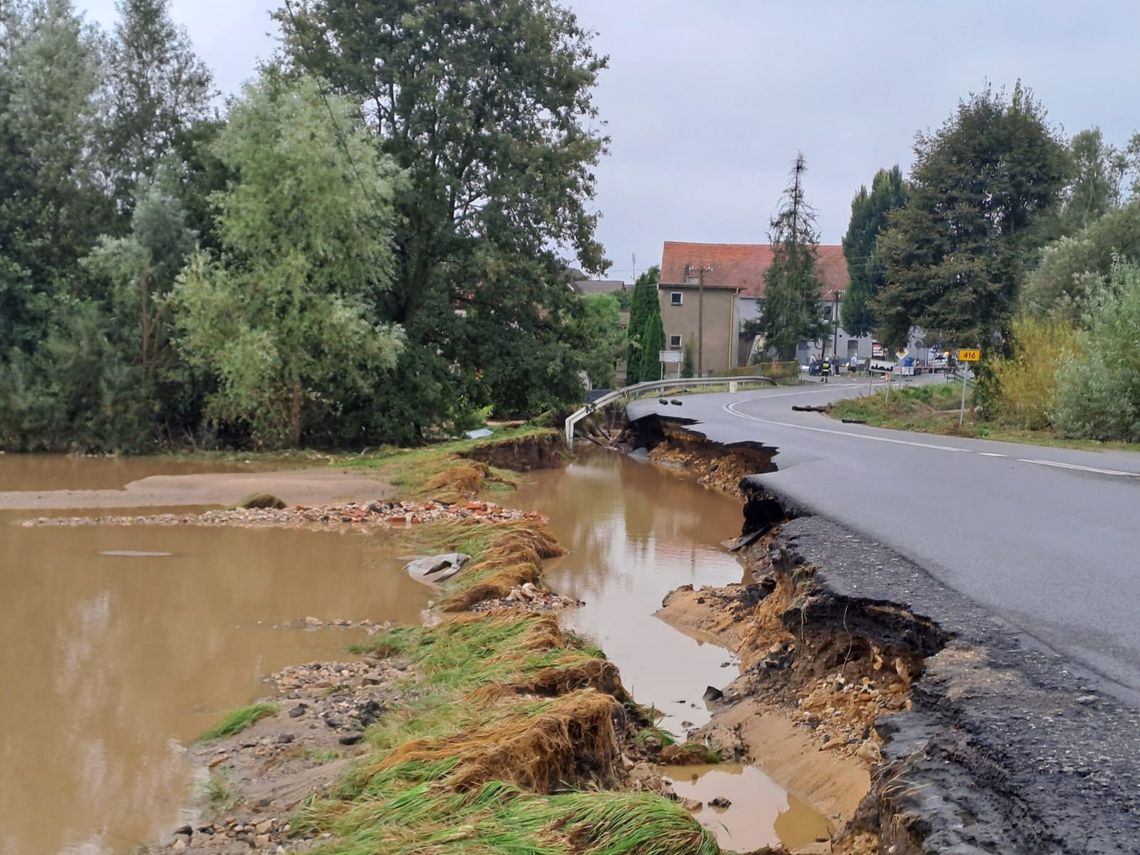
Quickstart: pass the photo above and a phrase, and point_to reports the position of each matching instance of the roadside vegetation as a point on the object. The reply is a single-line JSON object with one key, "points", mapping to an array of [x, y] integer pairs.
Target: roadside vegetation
{"points": [[935, 409], [1036, 266]]}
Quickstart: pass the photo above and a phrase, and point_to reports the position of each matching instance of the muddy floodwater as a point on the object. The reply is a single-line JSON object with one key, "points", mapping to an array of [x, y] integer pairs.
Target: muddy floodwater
{"points": [[634, 532], [119, 645]]}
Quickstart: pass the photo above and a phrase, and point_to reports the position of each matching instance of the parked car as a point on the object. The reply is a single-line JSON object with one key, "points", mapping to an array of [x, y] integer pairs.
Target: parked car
{"points": [[938, 361]]}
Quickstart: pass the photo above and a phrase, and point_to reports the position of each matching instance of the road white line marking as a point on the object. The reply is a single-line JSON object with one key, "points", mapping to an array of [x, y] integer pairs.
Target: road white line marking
{"points": [[1054, 463], [729, 408]]}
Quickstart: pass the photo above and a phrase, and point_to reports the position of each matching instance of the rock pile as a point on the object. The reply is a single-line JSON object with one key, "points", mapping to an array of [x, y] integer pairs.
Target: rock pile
{"points": [[529, 597], [322, 517]]}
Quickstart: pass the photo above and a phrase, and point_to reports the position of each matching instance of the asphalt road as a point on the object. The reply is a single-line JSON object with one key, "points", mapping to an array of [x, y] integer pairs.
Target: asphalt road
{"points": [[1047, 538]]}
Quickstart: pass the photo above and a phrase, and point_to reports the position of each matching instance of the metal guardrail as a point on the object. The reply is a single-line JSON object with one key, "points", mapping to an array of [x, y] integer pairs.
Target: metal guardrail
{"points": [[634, 391]]}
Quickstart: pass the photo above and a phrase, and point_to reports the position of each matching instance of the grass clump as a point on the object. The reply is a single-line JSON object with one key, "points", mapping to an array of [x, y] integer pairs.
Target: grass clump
{"points": [[510, 721], [239, 720], [511, 558], [221, 793]]}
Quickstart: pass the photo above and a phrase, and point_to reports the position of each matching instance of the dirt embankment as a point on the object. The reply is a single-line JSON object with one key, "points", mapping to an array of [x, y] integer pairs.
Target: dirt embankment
{"points": [[721, 467], [821, 667], [524, 454]]}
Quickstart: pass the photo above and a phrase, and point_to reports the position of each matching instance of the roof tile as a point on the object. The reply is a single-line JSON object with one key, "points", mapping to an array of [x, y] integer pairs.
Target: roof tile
{"points": [[742, 265]]}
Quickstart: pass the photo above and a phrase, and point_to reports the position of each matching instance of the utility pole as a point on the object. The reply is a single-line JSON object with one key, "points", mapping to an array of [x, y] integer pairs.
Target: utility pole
{"points": [[701, 269], [701, 322], [835, 321]]}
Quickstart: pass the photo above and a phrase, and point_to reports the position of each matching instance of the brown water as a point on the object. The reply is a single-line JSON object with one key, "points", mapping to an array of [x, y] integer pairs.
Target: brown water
{"points": [[118, 645], [634, 532], [760, 812]]}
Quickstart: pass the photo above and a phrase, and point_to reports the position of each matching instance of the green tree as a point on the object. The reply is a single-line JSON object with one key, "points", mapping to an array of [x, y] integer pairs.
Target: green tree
{"points": [[488, 109], [869, 213], [956, 253], [687, 366], [652, 343], [157, 88], [1099, 179], [1099, 385], [790, 313], [605, 342], [641, 306], [1073, 268], [51, 205], [282, 319]]}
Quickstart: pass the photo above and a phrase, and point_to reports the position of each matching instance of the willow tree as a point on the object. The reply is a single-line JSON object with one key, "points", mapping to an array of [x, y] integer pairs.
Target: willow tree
{"points": [[282, 318]]}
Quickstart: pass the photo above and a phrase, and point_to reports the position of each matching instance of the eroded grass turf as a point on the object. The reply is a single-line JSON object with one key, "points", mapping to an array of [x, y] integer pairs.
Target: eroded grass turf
{"points": [[239, 720], [508, 741], [438, 471]]}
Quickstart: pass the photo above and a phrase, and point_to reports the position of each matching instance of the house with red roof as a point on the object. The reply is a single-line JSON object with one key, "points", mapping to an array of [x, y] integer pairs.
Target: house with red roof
{"points": [[708, 291]]}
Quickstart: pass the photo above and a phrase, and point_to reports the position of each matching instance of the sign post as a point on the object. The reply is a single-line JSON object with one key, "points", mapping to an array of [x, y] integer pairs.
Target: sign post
{"points": [[966, 355]]}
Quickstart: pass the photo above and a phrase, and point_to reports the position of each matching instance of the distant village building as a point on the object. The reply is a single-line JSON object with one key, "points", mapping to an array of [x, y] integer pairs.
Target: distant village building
{"points": [[710, 316]]}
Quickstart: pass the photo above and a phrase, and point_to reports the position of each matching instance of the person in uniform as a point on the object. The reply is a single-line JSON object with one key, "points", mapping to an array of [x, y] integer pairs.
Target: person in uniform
{"points": [[825, 369]]}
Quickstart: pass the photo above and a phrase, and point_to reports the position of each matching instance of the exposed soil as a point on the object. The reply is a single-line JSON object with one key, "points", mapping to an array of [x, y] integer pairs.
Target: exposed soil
{"points": [[522, 455], [719, 467]]}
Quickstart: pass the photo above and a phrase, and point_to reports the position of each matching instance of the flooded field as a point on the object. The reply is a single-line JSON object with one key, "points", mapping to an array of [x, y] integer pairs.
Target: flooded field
{"points": [[122, 644]]}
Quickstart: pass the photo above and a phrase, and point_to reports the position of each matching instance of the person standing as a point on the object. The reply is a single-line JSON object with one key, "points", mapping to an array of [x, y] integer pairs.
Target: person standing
{"points": [[825, 369]]}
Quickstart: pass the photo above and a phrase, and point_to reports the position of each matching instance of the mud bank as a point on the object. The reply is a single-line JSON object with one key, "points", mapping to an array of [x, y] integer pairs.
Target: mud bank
{"points": [[721, 467], [977, 740], [525, 454]]}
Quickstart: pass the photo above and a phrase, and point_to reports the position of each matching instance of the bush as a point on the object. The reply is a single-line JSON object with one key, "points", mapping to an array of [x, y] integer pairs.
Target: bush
{"points": [[1026, 382], [1098, 388]]}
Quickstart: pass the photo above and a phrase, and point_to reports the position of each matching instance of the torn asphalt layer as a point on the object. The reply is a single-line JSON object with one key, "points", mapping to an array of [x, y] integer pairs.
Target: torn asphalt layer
{"points": [[1007, 747]]}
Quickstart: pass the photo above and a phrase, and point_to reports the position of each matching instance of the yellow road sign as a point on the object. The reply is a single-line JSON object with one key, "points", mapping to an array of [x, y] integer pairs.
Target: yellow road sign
{"points": [[969, 355]]}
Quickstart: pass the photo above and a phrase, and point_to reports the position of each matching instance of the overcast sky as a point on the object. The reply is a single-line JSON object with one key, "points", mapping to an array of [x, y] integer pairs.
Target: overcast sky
{"points": [[707, 102]]}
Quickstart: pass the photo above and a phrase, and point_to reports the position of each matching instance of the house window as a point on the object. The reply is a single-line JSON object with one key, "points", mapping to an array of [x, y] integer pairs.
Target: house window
{"points": [[676, 298], [674, 342]]}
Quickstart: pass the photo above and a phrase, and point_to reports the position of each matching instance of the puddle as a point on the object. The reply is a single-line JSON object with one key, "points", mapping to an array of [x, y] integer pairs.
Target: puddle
{"points": [[633, 533], [760, 812]]}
